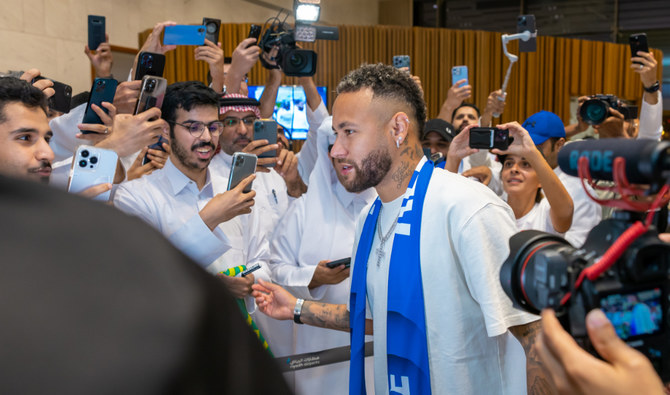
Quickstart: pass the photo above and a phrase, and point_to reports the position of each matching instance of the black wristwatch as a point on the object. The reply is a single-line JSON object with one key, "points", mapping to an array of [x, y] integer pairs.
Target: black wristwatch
{"points": [[655, 87]]}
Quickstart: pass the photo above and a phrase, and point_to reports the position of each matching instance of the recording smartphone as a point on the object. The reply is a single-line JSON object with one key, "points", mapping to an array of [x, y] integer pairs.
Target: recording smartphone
{"points": [[152, 93], [344, 261], [212, 28], [184, 35], [243, 166], [149, 63], [92, 166], [527, 23], [266, 130], [96, 31], [400, 61], [488, 138], [255, 32], [103, 89], [60, 101], [638, 42], [250, 270], [459, 73], [157, 145]]}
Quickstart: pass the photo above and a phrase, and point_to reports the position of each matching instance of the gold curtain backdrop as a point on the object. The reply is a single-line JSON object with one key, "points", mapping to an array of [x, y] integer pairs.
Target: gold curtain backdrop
{"points": [[543, 80]]}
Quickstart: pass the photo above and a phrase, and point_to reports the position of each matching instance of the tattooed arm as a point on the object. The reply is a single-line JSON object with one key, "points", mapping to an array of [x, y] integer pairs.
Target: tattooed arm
{"points": [[278, 303], [536, 374]]}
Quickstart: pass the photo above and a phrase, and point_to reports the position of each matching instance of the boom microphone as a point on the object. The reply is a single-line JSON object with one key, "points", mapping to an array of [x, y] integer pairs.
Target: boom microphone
{"points": [[647, 161]]}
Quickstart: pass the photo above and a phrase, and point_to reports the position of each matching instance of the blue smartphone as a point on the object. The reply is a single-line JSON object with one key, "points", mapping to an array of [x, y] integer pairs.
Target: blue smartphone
{"points": [[103, 89], [400, 61], [185, 35], [459, 73]]}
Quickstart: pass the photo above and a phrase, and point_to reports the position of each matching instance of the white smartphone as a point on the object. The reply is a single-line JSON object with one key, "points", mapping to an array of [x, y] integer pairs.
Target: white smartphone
{"points": [[92, 166], [459, 73]]}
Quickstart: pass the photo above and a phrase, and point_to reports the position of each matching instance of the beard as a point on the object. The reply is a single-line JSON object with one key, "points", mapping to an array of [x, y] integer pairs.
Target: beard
{"points": [[370, 173], [182, 154]]}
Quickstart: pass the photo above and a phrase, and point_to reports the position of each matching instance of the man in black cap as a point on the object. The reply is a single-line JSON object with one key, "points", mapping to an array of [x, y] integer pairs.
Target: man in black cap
{"points": [[437, 135]]}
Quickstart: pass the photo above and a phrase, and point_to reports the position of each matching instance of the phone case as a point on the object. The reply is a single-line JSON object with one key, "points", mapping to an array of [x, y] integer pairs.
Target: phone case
{"points": [[96, 31], [92, 166], [157, 145], [255, 32], [266, 130], [488, 138], [333, 264], [150, 63], [638, 42], [401, 61], [103, 89], [459, 73], [152, 93], [212, 27], [184, 35], [243, 166]]}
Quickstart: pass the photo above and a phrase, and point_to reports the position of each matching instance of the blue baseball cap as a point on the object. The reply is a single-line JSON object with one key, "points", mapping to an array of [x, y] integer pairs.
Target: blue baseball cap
{"points": [[544, 125]]}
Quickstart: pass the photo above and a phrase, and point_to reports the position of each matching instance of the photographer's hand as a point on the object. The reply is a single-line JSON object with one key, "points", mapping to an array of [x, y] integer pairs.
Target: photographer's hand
{"points": [[258, 147], [244, 57], [455, 97], [574, 371], [213, 55], [101, 59], [325, 275], [612, 126], [153, 43]]}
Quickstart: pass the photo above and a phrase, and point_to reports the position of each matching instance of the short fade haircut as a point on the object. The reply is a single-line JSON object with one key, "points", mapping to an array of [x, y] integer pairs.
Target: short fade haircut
{"points": [[387, 82], [453, 114], [14, 90], [187, 95]]}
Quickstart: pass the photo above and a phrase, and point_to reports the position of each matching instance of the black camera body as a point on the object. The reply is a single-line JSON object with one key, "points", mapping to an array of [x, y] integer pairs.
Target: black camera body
{"points": [[542, 268], [293, 61], [595, 110]]}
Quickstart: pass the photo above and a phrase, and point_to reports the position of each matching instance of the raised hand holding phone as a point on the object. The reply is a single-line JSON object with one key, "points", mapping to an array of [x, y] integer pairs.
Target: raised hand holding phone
{"points": [[228, 205]]}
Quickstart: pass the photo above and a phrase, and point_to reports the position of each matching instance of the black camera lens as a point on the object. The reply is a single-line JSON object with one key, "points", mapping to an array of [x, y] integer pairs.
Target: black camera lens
{"points": [[297, 60], [594, 111], [151, 84], [82, 163], [534, 275], [99, 82], [84, 154], [94, 160], [239, 161]]}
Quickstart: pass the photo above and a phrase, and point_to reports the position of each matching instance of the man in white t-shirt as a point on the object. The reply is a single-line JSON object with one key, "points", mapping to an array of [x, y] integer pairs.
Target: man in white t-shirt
{"points": [[467, 318]]}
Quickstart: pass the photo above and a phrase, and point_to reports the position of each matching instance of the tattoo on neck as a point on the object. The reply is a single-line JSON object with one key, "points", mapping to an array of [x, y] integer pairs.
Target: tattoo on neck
{"points": [[401, 173]]}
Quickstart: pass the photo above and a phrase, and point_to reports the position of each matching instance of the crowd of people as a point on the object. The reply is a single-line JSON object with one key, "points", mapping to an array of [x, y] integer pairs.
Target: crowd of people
{"points": [[424, 218]]}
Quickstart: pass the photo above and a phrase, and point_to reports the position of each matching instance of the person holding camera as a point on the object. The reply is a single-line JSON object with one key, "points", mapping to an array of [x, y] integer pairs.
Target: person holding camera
{"points": [[535, 193]]}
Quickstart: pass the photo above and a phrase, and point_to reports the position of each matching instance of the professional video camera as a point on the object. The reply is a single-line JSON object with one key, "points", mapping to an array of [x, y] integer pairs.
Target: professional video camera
{"points": [[622, 268], [292, 60], [595, 110]]}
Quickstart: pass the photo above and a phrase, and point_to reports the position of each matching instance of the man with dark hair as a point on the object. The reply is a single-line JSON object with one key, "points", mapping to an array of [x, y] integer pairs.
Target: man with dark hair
{"points": [[425, 270], [183, 200], [24, 131], [464, 115], [437, 135]]}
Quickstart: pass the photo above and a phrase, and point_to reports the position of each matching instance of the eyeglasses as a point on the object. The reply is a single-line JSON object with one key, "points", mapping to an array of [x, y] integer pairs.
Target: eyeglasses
{"points": [[231, 122], [197, 128]]}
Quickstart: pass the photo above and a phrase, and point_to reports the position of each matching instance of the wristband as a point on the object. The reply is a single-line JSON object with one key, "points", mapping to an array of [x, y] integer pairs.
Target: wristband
{"points": [[297, 310], [655, 87]]}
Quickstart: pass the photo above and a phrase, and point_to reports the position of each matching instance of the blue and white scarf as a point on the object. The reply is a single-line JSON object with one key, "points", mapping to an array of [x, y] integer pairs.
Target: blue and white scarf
{"points": [[407, 342]]}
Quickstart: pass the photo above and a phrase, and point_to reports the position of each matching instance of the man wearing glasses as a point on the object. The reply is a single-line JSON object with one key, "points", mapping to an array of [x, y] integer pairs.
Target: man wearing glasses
{"points": [[188, 203]]}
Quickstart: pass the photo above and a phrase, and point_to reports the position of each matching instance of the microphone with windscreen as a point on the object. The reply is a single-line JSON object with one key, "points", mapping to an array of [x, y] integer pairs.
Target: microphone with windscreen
{"points": [[646, 161]]}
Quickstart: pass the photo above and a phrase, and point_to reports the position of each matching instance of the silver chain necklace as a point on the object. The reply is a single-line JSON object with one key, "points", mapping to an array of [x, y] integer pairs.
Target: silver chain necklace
{"points": [[382, 240]]}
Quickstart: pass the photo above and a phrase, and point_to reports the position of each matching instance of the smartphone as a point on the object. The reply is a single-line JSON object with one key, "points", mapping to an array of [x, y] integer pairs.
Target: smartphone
{"points": [[103, 89], [527, 23], [266, 130], [184, 35], [638, 42], [96, 31], [459, 73], [488, 138], [250, 270], [212, 28], [60, 101], [344, 261], [149, 63], [400, 61], [92, 166], [152, 93], [255, 32], [157, 145], [244, 165]]}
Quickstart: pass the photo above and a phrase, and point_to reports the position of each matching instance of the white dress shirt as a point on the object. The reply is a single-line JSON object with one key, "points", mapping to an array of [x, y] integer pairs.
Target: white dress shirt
{"points": [[586, 214], [307, 156]]}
